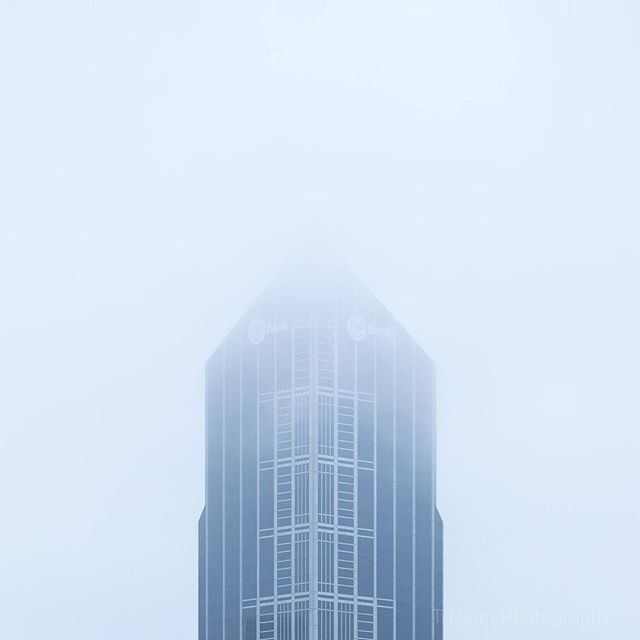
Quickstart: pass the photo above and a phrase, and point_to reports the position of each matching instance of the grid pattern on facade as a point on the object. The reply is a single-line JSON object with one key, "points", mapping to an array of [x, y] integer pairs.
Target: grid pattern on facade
{"points": [[283, 559], [345, 621], [301, 561], [302, 493], [354, 551], [345, 495], [325, 492], [284, 428], [325, 425], [284, 621], [325, 355], [325, 561], [345, 563], [325, 620], [345, 427], [365, 623], [301, 620], [302, 425], [284, 496], [267, 622], [302, 350]]}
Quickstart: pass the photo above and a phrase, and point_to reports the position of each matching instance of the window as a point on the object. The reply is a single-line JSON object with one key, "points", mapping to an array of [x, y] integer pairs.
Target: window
{"points": [[385, 622], [345, 621], [302, 620], [365, 624], [266, 499], [365, 430], [325, 561], [284, 428], [284, 496], [325, 425], [384, 479], [283, 346], [284, 621], [345, 496], [284, 564], [325, 620], [345, 428], [266, 566], [249, 624], [266, 431], [302, 426], [365, 567], [325, 493], [302, 493], [302, 562], [301, 348], [266, 622], [365, 499], [345, 564], [325, 355]]}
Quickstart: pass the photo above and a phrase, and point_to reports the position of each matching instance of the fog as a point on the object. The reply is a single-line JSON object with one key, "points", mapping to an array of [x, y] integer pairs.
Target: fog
{"points": [[477, 164]]}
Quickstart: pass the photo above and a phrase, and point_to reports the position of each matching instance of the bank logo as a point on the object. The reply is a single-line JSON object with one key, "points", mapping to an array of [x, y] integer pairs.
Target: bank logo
{"points": [[358, 329], [259, 329]]}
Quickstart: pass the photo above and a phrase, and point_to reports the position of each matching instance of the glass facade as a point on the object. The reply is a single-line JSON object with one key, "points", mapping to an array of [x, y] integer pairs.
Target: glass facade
{"points": [[320, 520]]}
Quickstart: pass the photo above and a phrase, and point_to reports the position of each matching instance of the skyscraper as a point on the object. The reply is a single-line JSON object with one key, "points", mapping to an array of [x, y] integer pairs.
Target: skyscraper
{"points": [[320, 520]]}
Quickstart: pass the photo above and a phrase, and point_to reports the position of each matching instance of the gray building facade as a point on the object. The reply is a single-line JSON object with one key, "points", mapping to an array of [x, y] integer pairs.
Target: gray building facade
{"points": [[320, 520]]}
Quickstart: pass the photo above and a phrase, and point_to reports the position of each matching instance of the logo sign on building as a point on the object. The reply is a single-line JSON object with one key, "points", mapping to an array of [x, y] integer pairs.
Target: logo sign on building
{"points": [[259, 329], [358, 329]]}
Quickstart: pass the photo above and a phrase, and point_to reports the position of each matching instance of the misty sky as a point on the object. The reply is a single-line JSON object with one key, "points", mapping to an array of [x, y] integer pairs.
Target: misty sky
{"points": [[477, 164]]}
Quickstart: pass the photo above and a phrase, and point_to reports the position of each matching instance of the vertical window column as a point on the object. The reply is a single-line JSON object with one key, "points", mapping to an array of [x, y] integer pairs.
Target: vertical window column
{"points": [[284, 496], [345, 564], [301, 620], [302, 425], [302, 493], [284, 564], [325, 620], [345, 495], [345, 428], [301, 576], [325, 425], [325, 561], [325, 492], [284, 621], [267, 622], [345, 621]]}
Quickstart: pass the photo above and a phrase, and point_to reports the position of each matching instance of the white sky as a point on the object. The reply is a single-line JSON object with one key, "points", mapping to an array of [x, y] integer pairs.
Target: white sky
{"points": [[478, 163]]}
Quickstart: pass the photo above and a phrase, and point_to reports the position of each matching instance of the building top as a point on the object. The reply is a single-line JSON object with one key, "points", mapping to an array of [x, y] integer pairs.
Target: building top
{"points": [[323, 286]]}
